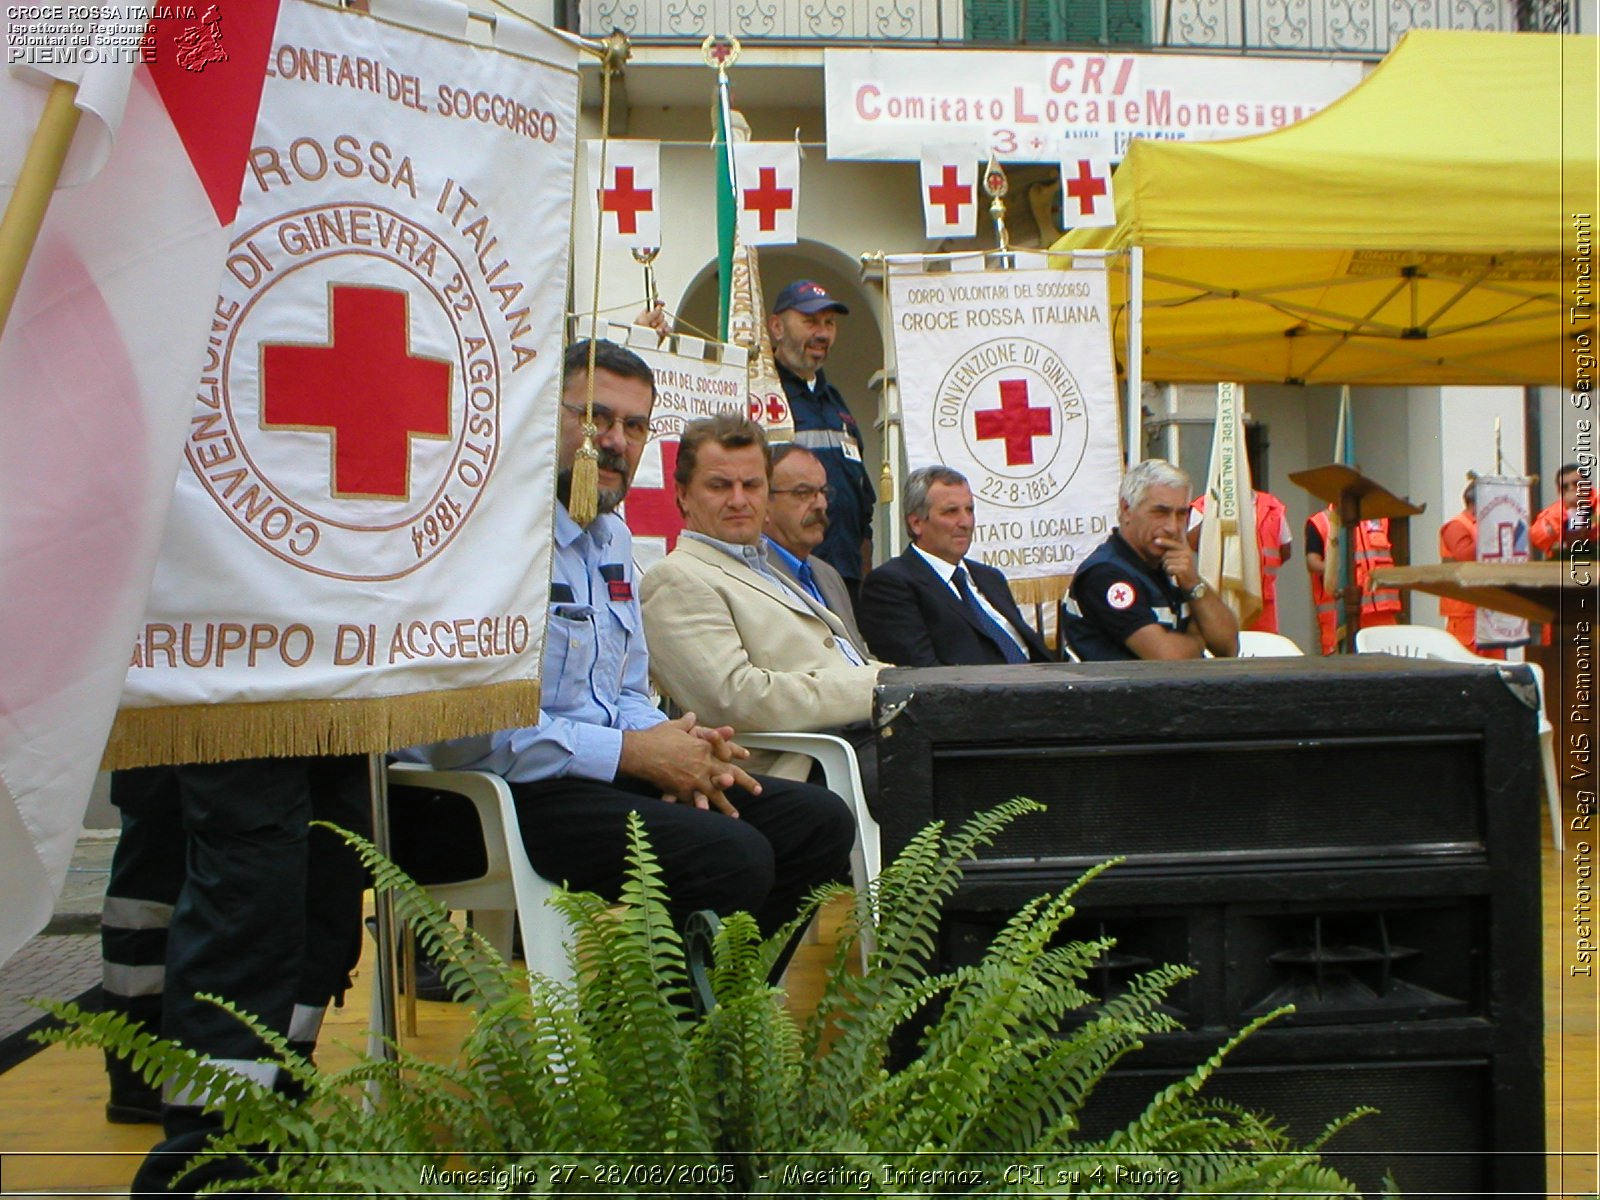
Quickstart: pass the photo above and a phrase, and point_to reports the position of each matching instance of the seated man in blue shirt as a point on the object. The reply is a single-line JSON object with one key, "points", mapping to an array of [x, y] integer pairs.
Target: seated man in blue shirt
{"points": [[797, 521], [725, 840], [1139, 593]]}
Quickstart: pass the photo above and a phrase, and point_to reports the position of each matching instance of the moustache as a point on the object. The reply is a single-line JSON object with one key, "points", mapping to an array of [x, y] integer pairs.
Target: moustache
{"points": [[815, 518], [610, 460]]}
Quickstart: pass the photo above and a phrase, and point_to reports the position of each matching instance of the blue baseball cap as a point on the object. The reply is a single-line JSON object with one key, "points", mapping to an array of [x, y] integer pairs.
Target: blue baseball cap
{"points": [[803, 295]]}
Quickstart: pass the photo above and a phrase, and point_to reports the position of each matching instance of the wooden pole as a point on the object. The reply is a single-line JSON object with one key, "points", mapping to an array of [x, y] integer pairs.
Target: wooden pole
{"points": [[24, 216]]}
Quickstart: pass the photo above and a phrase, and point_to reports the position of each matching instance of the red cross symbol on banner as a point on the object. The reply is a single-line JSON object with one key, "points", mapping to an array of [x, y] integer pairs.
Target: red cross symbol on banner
{"points": [[653, 512], [365, 388], [773, 408], [1086, 186], [950, 194], [627, 201], [768, 200], [1015, 422]]}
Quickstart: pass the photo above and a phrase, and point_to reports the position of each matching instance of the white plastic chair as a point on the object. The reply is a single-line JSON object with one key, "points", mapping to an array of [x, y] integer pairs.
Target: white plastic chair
{"points": [[1424, 641], [509, 886], [1257, 643]]}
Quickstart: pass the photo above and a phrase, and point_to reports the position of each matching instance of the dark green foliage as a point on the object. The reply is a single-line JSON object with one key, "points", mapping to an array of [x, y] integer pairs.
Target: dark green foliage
{"points": [[603, 1086]]}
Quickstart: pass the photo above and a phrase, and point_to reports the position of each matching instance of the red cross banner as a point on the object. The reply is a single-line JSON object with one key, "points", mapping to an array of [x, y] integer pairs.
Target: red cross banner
{"points": [[629, 195], [767, 191], [694, 378], [351, 562], [1086, 191], [950, 193], [1006, 375]]}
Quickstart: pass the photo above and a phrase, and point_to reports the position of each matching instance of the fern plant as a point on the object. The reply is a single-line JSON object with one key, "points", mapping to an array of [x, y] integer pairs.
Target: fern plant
{"points": [[604, 1086]]}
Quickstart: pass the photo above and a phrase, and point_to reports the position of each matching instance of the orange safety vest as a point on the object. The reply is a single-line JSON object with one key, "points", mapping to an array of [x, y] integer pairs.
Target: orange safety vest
{"points": [[1372, 550], [1270, 516]]}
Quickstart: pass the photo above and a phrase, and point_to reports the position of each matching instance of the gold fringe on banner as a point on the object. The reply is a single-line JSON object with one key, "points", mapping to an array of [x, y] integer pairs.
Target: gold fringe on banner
{"points": [[189, 733], [1039, 591]]}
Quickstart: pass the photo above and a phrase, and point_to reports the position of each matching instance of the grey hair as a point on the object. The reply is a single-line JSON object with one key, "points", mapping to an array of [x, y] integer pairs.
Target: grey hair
{"points": [[914, 497], [1152, 472]]}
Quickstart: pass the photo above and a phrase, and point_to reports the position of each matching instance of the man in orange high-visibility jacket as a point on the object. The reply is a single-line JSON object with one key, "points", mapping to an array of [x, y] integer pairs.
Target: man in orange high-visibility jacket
{"points": [[1275, 543], [1569, 523], [1370, 546], [1458, 542]]}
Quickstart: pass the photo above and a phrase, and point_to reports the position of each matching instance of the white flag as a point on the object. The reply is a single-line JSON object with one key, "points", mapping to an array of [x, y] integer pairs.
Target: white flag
{"points": [[1230, 557], [97, 373], [950, 191], [629, 198], [768, 192], [1086, 191]]}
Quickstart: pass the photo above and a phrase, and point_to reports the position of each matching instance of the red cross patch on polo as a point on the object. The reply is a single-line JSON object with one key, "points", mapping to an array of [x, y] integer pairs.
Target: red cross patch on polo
{"points": [[1120, 595]]}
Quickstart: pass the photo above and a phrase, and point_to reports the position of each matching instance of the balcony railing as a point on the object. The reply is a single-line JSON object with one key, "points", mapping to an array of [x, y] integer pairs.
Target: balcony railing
{"points": [[1367, 28]]}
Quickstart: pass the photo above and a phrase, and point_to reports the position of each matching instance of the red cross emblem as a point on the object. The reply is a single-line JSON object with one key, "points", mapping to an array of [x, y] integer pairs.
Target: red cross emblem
{"points": [[1086, 186], [772, 407], [950, 194], [653, 512], [1120, 595], [1014, 422], [768, 200], [365, 388], [626, 201]]}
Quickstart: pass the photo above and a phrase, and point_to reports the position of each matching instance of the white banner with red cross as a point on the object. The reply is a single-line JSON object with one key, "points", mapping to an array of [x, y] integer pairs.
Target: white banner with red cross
{"points": [[629, 193], [1007, 376], [358, 551], [950, 195], [767, 190], [1086, 197], [1503, 516]]}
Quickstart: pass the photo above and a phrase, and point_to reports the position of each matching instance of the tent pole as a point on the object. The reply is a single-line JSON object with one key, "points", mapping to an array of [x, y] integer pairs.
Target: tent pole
{"points": [[1135, 373]]}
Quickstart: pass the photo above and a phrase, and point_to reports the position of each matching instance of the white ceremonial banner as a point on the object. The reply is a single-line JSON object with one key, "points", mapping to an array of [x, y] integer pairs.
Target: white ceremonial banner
{"points": [[883, 105], [1502, 509], [1230, 558], [1007, 376], [950, 196], [629, 198], [1086, 196], [358, 553], [768, 192]]}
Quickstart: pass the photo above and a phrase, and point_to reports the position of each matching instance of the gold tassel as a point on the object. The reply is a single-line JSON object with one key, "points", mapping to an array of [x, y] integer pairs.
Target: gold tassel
{"points": [[885, 483], [583, 502]]}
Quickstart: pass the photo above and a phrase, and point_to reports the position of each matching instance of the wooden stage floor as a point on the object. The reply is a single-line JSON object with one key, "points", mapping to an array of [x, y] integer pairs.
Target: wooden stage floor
{"points": [[55, 1141]]}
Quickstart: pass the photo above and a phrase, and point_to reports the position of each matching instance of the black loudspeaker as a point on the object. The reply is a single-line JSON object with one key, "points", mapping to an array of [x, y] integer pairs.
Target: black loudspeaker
{"points": [[1358, 836]]}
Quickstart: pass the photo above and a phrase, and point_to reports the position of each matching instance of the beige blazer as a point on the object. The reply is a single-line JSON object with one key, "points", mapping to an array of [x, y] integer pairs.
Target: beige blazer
{"points": [[736, 648]]}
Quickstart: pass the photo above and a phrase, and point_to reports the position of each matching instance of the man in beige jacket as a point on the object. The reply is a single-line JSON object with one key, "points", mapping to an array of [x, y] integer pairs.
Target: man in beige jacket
{"points": [[729, 637]]}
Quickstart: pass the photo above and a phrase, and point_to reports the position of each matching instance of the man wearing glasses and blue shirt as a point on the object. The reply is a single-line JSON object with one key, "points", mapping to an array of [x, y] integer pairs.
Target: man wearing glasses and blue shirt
{"points": [[797, 521]]}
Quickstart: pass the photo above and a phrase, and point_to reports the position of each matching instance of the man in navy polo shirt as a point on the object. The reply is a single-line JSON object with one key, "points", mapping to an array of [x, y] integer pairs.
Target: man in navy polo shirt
{"points": [[1139, 594], [802, 327]]}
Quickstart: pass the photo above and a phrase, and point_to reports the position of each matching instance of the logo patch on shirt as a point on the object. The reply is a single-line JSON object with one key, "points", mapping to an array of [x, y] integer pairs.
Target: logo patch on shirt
{"points": [[561, 593], [618, 588], [1120, 595]]}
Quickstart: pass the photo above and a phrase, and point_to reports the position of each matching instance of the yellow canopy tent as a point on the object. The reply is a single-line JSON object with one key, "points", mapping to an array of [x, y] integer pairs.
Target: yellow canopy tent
{"points": [[1423, 229]]}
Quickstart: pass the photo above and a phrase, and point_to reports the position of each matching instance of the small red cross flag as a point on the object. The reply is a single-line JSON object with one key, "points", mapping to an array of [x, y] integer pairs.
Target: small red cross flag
{"points": [[629, 197], [950, 193], [767, 191], [1086, 190]]}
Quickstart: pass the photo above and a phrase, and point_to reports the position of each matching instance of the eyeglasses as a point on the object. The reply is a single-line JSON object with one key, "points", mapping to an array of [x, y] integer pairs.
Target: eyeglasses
{"points": [[805, 493], [636, 429]]}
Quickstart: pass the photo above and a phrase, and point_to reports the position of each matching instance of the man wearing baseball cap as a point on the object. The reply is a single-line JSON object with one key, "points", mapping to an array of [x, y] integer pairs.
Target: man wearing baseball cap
{"points": [[802, 328]]}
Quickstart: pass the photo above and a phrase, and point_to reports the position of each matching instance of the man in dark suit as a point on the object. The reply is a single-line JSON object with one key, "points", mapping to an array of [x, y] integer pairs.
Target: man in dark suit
{"points": [[797, 521], [934, 607]]}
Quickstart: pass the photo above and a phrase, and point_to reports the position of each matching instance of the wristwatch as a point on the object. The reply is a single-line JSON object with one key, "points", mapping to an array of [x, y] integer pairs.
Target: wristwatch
{"points": [[1197, 591]]}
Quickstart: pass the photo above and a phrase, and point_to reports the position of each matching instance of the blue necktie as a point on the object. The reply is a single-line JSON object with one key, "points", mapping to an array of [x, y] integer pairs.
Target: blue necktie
{"points": [[809, 582], [992, 631]]}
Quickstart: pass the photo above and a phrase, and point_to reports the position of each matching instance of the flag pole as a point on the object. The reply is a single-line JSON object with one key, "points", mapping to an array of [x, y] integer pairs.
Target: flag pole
{"points": [[41, 169]]}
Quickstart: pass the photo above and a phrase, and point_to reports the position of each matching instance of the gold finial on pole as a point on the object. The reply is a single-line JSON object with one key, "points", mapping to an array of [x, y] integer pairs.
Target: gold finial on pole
{"points": [[994, 182]]}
